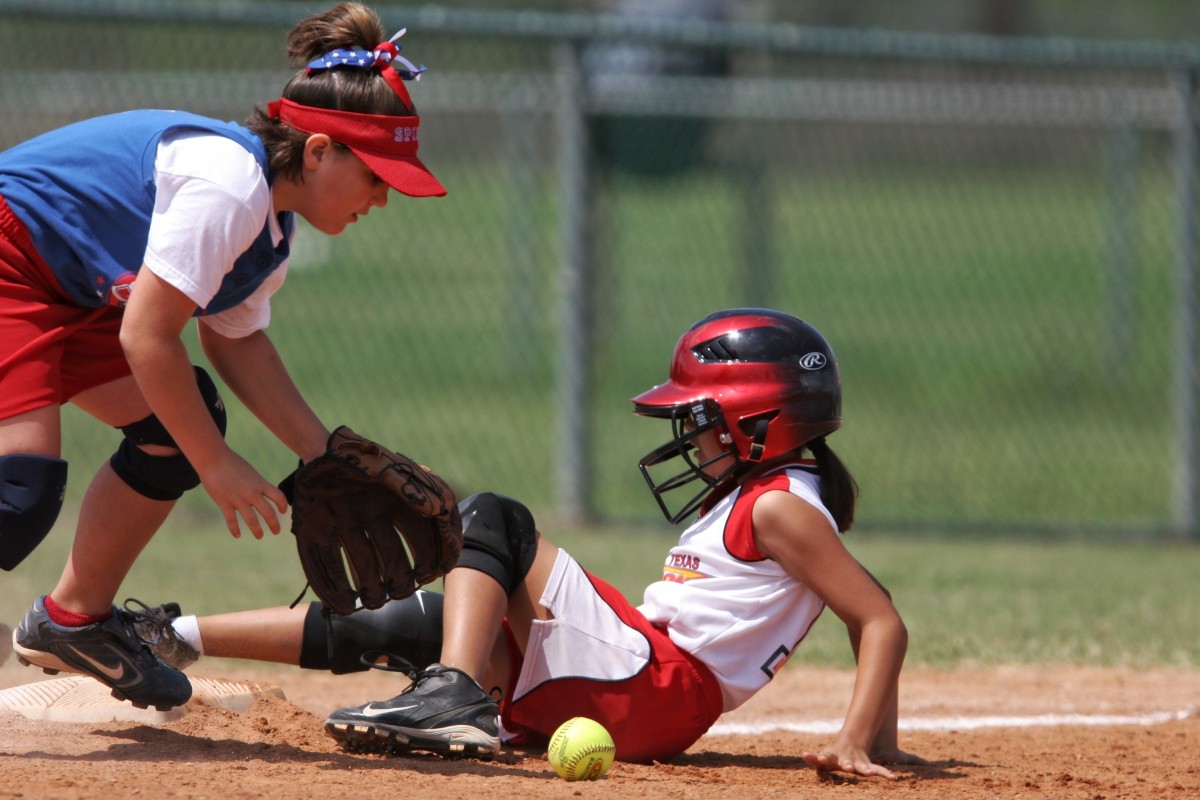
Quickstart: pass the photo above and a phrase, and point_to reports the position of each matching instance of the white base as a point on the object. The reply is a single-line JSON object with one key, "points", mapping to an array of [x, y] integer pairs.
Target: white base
{"points": [[78, 698]]}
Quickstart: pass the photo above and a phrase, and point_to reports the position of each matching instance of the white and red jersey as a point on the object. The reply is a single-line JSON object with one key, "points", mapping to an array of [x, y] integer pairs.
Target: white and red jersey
{"points": [[726, 603], [715, 630]]}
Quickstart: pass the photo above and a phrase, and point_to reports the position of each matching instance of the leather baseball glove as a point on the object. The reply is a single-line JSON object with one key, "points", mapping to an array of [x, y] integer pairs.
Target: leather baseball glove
{"points": [[354, 511]]}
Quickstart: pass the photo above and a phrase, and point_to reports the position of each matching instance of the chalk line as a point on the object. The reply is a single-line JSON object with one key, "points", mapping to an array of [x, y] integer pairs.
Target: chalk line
{"points": [[959, 723]]}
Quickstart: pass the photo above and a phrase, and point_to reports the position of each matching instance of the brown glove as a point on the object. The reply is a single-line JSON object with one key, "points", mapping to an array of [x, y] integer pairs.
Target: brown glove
{"points": [[355, 508]]}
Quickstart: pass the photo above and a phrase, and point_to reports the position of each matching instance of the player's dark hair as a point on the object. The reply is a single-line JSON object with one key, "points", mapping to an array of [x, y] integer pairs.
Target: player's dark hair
{"points": [[839, 490], [364, 91]]}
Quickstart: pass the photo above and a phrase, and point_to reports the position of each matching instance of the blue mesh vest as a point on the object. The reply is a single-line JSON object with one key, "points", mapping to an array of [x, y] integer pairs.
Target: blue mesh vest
{"points": [[86, 193]]}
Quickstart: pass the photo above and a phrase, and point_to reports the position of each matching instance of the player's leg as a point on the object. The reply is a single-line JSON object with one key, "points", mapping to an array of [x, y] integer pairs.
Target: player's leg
{"points": [[116, 522], [524, 605], [264, 634], [36, 432], [408, 631], [502, 570], [32, 474], [473, 613], [476, 603], [131, 495], [446, 709], [76, 627], [32, 481]]}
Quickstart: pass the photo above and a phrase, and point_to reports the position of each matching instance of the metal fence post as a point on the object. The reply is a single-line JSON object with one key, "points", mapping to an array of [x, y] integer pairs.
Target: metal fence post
{"points": [[1121, 261], [575, 317], [759, 224], [1186, 385], [523, 293]]}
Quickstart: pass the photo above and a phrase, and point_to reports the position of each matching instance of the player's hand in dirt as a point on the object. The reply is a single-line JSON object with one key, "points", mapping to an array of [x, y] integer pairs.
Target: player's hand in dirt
{"points": [[851, 760], [895, 755]]}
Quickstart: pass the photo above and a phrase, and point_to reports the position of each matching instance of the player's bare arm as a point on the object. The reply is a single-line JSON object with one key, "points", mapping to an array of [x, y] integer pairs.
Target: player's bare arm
{"points": [[252, 369], [154, 319], [801, 540]]}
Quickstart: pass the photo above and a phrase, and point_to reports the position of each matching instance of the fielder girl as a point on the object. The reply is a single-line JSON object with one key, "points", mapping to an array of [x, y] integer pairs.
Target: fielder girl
{"points": [[114, 232], [751, 391]]}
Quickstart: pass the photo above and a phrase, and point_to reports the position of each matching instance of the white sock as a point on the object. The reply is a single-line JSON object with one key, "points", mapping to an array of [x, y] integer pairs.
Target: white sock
{"points": [[188, 629]]}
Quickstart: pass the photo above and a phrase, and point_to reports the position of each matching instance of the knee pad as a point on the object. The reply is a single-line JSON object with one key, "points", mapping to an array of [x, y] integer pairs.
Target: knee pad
{"points": [[499, 538], [163, 477], [31, 496], [410, 628]]}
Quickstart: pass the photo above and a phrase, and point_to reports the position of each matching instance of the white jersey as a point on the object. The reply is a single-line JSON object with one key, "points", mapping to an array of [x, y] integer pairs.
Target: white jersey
{"points": [[211, 203], [725, 602]]}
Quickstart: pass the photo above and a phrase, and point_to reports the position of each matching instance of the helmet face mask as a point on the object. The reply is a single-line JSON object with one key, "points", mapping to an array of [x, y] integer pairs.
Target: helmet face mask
{"points": [[688, 422], [767, 380]]}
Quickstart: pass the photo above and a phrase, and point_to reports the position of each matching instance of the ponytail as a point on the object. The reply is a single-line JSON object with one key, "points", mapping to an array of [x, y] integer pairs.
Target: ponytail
{"points": [[839, 490]]}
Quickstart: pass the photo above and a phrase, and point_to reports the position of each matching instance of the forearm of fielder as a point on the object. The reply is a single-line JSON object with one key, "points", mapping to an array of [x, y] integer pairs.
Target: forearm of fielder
{"points": [[253, 370], [150, 330]]}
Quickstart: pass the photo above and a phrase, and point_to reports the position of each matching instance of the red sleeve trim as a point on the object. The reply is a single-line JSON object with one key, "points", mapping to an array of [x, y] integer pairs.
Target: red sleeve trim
{"points": [[739, 528]]}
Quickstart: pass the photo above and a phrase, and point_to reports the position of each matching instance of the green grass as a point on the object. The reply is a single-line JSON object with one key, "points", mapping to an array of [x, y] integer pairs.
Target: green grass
{"points": [[987, 382], [967, 601]]}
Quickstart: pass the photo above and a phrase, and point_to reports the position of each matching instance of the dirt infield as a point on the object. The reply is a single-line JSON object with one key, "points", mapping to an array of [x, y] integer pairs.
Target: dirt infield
{"points": [[1056, 733]]}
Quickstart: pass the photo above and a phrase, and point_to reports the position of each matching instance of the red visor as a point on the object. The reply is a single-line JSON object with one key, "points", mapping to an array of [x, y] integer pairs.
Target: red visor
{"points": [[386, 144]]}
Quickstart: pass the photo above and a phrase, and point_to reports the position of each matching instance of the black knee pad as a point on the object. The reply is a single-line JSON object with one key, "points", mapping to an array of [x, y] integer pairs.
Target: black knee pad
{"points": [[163, 477], [499, 538], [31, 496], [410, 628]]}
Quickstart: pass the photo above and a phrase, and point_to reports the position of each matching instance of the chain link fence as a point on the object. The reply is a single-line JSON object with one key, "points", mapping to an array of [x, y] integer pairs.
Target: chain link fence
{"points": [[997, 236]]}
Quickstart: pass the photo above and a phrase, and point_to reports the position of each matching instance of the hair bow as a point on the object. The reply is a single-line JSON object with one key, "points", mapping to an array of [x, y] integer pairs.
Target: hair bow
{"points": [[384, 54]]}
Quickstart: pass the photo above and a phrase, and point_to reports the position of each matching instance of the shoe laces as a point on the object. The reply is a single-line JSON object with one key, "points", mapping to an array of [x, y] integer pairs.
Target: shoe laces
{"points": [[391, 663], [394, 663], [121, 624], [151, 625]]}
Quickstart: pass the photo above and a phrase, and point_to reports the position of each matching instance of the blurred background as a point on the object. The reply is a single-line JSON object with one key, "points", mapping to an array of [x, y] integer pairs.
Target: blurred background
{"points": [[988, 208]]}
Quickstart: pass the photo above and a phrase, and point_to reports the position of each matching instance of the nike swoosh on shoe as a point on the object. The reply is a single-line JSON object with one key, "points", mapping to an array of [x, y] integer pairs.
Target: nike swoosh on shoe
{"points": [[116, 675], [369, 711]]}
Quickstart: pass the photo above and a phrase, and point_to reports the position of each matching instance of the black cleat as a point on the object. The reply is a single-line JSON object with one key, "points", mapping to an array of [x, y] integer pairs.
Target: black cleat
{"points": [[444, 711], [109, 651]]}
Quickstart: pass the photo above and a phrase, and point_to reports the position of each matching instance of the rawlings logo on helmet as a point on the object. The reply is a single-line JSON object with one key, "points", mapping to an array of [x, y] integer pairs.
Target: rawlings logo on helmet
{"points": [[813, 361]]}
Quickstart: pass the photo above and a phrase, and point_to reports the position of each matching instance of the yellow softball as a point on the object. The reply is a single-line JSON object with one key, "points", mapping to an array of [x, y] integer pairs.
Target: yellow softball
{"points": [[581, 750]]}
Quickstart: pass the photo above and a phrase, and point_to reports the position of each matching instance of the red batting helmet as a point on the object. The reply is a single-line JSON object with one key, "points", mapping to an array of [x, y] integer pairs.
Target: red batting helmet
{"points": [[767, 380]]}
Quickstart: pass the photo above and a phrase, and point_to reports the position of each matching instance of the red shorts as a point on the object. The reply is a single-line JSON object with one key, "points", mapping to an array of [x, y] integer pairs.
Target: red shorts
{"points": [[601, 658], [50, 349]]}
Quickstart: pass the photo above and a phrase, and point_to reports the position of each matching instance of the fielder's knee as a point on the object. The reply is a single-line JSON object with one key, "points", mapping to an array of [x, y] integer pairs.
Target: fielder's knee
{"points": [[499, 538], [163, 477], [31, 497]]}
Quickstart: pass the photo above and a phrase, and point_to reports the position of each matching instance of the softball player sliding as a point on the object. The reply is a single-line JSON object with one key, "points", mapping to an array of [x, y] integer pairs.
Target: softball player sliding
{"points": [[114, 232], [525, 634]]}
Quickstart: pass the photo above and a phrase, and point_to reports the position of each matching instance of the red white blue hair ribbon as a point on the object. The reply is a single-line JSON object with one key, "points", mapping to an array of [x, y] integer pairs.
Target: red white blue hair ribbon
{"points": [[386, 54]]}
